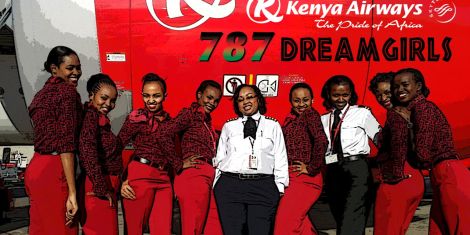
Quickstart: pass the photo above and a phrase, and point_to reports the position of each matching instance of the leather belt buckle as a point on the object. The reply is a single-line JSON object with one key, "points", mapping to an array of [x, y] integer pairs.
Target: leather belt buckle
{"points": [[248, 176], [149, 163], [158, 166], [352, 158]]}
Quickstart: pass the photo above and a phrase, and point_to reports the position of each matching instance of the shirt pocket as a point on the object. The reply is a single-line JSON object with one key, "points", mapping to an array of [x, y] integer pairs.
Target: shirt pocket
{"points": [[349, 132], [235, 142], [267, 144]]}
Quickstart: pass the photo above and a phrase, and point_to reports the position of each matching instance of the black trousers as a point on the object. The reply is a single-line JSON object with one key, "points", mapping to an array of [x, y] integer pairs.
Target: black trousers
{"points": [[246, 206], [347, 188]]}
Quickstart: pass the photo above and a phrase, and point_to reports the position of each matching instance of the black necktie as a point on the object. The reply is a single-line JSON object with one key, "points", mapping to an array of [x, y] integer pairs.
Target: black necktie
{"points": [[337, 148], [250, 128]]}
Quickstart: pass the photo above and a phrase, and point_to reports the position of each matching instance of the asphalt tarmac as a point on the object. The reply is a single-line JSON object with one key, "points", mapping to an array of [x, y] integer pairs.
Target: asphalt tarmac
{"points": [[18, 219]]}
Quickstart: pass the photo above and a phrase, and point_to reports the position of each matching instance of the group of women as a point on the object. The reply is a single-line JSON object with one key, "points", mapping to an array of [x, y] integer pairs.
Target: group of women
{"points": [[265, 176]]}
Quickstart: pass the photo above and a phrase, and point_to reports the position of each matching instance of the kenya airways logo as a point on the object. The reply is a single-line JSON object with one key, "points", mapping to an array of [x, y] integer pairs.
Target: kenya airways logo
{"points": [[443, 11], [204, 9]]}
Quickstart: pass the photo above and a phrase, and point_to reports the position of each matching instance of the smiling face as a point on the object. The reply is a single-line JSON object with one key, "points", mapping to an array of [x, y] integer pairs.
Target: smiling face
{"points": [[301, 100], [153, 96], [104, 100], [209, 99], [340, 94], [383, 94], [405, 88], [247, 101], [70, 69]]}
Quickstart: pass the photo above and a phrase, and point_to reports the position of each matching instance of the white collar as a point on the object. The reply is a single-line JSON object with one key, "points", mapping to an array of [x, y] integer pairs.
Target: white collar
{"points": [[342, 110], [255, 116]]}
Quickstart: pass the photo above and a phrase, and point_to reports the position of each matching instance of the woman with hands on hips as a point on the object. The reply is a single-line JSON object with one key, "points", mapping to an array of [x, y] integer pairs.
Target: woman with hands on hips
{"points": [[306, 145], [147, 192]]}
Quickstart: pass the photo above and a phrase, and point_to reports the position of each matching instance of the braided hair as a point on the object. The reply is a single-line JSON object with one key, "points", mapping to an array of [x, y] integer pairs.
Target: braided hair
{"points": [[96, 81]]}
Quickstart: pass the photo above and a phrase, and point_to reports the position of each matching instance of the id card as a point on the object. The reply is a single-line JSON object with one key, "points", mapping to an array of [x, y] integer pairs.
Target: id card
{"points": [[253, 162], [331, 158]]}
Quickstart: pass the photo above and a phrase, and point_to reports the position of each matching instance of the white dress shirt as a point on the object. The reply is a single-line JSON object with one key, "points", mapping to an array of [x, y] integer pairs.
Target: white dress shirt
{"points": [[358, 125], [234, 150]]}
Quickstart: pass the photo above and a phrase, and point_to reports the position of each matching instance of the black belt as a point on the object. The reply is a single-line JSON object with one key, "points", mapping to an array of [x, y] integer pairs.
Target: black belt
{"points": [[55, 153], [439, 160], [203, 159], [352, 158], [151, 163], [247, 176]]}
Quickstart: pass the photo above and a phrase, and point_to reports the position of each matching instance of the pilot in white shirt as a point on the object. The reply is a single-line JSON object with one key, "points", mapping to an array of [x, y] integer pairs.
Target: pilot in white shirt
{"points": [[348, 128], [251, 167], [357, 127], [269, 148]]}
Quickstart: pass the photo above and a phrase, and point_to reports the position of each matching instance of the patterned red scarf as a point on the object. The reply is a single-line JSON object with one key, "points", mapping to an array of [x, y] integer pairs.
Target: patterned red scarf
{"points": [[153, 119]]}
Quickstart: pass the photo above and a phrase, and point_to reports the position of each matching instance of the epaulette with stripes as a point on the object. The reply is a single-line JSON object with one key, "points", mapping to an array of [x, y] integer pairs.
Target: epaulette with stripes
{"points": [[363, 106], [271, 118], [232, 119]]}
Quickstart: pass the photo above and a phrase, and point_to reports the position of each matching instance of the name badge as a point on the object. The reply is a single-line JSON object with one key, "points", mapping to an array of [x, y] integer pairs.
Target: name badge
{"points": [[253, 162], [331, 158], [214, 162]]}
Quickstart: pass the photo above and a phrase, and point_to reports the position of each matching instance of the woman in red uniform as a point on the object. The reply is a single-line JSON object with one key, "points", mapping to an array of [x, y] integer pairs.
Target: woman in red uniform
{"points": [[434, 149], [56, 114], [306, 145], [100, 159], [402, 186], [193, 182], [147, 192]]}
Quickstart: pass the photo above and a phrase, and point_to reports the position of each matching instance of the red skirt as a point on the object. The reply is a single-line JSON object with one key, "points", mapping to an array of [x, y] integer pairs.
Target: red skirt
{"points": [[47, 189], [97, 216]]}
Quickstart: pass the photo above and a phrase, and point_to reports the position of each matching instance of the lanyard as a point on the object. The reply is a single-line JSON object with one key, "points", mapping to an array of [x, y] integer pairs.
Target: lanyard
{"points": [[211, 132], [252, 142], [338, 127]]}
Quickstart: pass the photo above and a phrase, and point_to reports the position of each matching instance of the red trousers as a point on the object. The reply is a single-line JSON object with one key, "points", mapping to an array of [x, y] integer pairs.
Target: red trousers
{"points": [[97, 217], [154, 200], [450, 209], [193, 188], [299, 197], [395, 204], [47, 189]]}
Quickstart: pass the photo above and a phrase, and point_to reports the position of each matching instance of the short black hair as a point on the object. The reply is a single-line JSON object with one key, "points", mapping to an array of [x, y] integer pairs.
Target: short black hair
{"points": [[152, 77], [418, 77], [337, 80], [206, 83], [96, 81], [261, 100], [378, 78], [300, 85], [56, 57]]}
